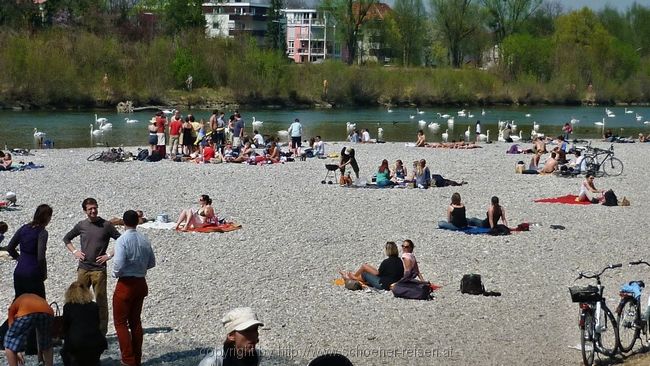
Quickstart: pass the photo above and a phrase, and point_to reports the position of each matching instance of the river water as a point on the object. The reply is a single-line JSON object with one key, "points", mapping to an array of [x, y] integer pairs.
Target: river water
{"points": [[68, 129]]}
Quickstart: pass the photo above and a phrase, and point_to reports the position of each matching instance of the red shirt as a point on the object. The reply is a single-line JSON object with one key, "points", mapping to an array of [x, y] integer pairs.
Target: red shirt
{"points": [[175, 127], [208, 153], [160, 125]]}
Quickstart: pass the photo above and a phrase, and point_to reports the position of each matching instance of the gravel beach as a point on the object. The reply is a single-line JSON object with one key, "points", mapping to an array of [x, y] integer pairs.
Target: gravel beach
{"points": [[297, 233]]}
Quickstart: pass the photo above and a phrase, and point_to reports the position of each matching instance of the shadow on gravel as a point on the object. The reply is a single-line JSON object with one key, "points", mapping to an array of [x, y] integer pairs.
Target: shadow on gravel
{"points": [[157, 330], [178, 357]]}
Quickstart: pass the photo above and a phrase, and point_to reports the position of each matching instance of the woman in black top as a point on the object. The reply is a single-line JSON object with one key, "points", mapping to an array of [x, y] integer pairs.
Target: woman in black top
{"points": [[390, 270], [347, 157], [456, 218], [83, 342], [495, 213]]}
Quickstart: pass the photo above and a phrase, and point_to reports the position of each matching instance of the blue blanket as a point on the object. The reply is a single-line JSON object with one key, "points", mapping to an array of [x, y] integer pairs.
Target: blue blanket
{"points": [[472, 230]]}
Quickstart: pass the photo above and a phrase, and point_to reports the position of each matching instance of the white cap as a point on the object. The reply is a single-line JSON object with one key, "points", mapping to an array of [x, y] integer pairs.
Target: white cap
{"points": [[239, 319], [11, 197]]}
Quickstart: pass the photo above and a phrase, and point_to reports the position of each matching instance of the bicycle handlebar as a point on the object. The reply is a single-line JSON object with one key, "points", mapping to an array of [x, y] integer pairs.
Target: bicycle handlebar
{"points": [[639, 262], [611, 266]]}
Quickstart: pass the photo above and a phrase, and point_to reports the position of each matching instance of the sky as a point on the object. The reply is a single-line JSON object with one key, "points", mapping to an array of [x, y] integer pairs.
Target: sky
{"points": [[599, 4]]}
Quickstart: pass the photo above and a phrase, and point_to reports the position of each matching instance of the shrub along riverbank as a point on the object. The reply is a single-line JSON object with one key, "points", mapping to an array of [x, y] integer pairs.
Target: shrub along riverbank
{"points": [[59, 68]]}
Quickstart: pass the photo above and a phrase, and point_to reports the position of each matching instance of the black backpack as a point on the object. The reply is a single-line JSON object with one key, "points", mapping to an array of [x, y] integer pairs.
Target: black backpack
{"points": [[143, 154], [471, 284], [610, 199]]}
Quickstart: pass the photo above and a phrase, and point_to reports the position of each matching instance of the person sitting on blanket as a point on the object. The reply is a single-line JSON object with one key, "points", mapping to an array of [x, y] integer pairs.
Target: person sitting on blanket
{"points": [[273, 153], [399, 172], [421, 139], [550, 165], [586, 187], [390, 270], [383, 175], [204, 216], [120, 221], [6, 162], [456, 218], [245, 153], [422, 175], [411, 268], [495, 213]]}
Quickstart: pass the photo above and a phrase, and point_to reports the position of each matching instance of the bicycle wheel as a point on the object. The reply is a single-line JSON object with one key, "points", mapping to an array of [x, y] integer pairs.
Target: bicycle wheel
{"points": [[587, 344], [592, 167], [629, 321], [606, 332], [94, 156], [612, 166]]}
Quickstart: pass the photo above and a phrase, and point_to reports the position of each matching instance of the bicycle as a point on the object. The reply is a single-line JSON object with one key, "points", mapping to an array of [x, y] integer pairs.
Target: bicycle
{"points": [[601, 162], [111, 155], [597, 323], [628, 313]]}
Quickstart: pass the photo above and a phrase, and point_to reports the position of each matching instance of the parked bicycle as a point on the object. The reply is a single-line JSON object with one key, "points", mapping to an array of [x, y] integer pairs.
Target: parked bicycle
{"points": [[598, 327], [631, 321], [601, 162], [110, 155]]}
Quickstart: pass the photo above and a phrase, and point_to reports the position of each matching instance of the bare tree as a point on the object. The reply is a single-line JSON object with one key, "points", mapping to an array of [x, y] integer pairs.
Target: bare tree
{"points": [[505, 16], [349, 16], [455, 21]]}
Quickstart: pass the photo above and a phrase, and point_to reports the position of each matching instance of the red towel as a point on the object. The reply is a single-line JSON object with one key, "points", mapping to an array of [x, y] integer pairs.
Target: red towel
{"points": [[569, 199]]}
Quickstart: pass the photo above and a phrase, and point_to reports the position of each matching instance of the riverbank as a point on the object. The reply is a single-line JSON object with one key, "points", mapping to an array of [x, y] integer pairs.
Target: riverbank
{"points": [[297, 233]]}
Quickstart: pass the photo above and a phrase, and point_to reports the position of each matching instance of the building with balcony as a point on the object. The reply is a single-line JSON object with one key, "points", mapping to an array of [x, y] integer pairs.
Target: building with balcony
{"points": [[310, 36], [233, 18]]}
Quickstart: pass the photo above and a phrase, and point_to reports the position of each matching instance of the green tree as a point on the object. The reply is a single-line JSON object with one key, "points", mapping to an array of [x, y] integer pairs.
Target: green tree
{"points": [[181, 15], [542, 22], [455, 21], [505, 16], [275, 34], [410, 20], [349, 16], [524, 54]]}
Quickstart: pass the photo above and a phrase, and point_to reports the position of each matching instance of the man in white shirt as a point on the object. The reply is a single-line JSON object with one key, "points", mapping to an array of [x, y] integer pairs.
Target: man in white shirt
{"points": [[258, 139], [295, 132], [365, 135]]}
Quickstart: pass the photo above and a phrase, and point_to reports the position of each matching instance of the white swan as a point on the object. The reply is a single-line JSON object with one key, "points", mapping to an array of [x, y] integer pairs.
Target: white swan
{"points": [[105, 126], [639, 117], [445, 116], [527, 115], [516, 138], [535, 126], [467, 134], [513, 126], [94, 132], [389, 110], [434, 127], [100, 120], [482, 112], [502, 124], [470, 115], [131, 120], [419, 111], [422, 123], [411, 116], [574, 120], [450, 122], [257, 123], [349, 126], [38, 134], [628, 111], [168, 112], [484, 137], [461, 113], [445, 135], [380, 134]]}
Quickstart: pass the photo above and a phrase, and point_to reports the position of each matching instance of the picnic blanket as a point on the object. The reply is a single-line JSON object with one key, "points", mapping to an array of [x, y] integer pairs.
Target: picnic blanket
{"points": [[569, 199], [476, 230]]}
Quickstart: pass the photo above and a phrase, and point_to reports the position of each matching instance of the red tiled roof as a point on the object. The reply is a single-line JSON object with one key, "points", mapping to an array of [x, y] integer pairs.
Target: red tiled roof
{"points": [[377, 11]]}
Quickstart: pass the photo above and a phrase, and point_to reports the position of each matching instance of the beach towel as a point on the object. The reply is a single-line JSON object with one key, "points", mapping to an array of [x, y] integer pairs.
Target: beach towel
{"points": [[219, 228], [569, 199]]}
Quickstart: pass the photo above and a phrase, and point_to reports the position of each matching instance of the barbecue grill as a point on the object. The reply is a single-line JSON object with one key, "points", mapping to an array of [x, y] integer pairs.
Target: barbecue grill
{"points": [[330, 168]]}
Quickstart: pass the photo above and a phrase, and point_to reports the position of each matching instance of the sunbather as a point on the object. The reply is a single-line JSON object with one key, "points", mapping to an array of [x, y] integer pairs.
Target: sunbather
{"points": [[119, 221], [456, 217], [411, 268], [192, 218], [390, 270], [495, 213], [587, 187], [550, 165], [421, 139]]}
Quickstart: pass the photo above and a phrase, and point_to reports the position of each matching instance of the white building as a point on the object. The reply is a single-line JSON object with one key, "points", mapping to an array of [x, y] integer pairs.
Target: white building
{"points": [[233, 18]]}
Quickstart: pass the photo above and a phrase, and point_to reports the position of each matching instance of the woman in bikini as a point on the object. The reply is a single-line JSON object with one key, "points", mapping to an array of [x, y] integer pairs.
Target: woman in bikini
{"points": [[204, 216]]}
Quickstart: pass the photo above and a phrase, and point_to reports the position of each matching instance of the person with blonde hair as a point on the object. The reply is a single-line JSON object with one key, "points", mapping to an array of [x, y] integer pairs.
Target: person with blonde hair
{"points": [[422, 175], [83, 342], [390, 270]]}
